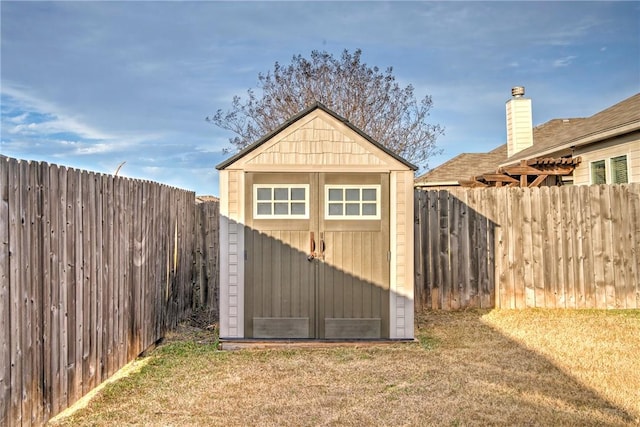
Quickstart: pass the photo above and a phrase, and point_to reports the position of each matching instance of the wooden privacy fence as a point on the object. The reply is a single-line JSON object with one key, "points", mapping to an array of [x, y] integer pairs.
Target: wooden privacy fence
{"points": [[552, 247], [93, 270]]}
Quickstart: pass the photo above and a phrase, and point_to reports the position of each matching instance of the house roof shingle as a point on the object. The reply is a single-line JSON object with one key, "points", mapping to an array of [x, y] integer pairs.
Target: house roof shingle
{"points": [[463, 166]]}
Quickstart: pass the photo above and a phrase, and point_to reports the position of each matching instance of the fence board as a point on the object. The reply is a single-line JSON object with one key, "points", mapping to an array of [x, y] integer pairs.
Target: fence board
{"points": [[108, 278], [67, 296], [527, 250], [15, 289], [598, 247], [5, 301], [465, 263], [500, 278], [443, 250], [454, 249], [488, 206], [537, 257], [44, 357], [89, 215], [53, 326], [587, 248], [607, 237], [76, 299], [633, 290], [548, 260], [100, 278], [559, 247], [619, 245], [35, 239], [479, 269], [578, 264]]}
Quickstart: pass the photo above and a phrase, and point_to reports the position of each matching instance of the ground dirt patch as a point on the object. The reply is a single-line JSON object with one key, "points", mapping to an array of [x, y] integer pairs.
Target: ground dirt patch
{"points": [[466, 368]]}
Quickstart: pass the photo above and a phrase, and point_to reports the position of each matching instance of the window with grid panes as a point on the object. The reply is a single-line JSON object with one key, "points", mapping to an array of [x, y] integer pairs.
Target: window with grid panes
{"points": [[352, 202], [281, 201]]}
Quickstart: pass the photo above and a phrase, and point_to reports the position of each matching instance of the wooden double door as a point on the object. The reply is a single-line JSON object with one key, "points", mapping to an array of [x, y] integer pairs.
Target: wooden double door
{"points": [[317, 255]]}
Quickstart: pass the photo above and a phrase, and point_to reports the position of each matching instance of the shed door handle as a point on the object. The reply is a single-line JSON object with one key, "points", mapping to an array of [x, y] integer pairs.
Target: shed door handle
{"points": [[312, 247]]}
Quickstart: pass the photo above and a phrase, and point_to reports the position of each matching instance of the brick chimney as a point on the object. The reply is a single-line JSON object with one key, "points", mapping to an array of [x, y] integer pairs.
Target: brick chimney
{"points": [[519, 122]]}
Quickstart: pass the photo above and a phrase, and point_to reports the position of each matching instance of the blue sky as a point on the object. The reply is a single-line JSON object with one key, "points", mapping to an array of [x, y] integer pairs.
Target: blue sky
{"points": [[92, 84]]}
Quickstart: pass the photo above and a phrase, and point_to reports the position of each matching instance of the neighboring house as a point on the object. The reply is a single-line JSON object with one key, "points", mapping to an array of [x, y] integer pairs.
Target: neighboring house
{"points": [[601, 149]]}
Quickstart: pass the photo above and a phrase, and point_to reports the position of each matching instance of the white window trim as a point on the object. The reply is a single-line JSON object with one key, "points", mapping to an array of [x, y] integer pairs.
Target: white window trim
{"points": [[360, 217], [607, 168], [280, 216]]}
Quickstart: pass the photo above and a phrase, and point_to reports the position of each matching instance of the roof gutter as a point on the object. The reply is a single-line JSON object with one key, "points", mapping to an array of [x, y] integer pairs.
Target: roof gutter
{"points": [[436, 183], [583, 140]]}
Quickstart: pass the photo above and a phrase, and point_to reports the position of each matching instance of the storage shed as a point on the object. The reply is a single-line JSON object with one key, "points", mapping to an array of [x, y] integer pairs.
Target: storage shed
{"points": [[316, 235]]}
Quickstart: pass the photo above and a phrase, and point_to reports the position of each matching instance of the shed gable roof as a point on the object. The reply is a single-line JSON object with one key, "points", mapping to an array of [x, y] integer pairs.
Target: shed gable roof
{"points": [[317, 136]]}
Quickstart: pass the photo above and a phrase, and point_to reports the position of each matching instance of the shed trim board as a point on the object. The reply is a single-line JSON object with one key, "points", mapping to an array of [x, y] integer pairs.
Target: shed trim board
{"points": [[364, 293]]}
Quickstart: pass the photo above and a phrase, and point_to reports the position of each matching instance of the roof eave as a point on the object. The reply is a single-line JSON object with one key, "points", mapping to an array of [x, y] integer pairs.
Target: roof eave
{"points": [[580, 141], [436, 183]]}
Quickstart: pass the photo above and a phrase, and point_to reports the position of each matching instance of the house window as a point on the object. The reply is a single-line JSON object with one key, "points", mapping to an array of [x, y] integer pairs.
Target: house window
{"points": [[598, 172], [612, 172], [281, 201], [619, 170], [352, 202]]}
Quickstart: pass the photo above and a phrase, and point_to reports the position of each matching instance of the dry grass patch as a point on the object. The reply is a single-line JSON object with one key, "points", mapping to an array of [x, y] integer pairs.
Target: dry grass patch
{"points": [[462, 371], [601, 349]]}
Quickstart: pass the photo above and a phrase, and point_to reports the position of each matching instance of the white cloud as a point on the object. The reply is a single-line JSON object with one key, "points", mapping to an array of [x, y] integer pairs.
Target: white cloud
{"points": [[564, 62], [57, 121], [35, 117], [19, 119]]}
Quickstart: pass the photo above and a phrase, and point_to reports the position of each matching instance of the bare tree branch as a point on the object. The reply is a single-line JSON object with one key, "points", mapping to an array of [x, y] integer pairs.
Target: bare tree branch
{"points": [[370, 99]]}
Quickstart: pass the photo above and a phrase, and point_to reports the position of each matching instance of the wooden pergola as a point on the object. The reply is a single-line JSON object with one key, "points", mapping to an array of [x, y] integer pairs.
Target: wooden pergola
{"points": [[527, 173]]}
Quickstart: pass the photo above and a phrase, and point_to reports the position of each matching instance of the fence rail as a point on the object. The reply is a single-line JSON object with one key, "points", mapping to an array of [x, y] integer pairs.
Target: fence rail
{"points": [[553, 247], [93, 270]]}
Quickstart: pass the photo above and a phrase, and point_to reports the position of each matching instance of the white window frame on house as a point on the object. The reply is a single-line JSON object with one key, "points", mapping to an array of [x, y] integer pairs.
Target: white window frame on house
{"points": [[362, 202], [609, 169], [277, 201]]}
